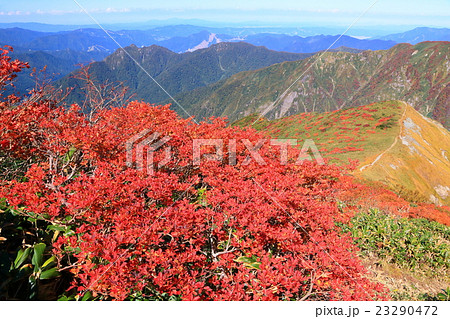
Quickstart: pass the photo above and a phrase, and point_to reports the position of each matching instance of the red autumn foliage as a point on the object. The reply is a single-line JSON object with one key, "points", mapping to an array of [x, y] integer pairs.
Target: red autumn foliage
{"points": [[187, 229], [8, 67], [375, 195]]}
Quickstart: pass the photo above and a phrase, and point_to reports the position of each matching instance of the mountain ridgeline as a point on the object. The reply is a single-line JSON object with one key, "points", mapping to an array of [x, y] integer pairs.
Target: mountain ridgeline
{"points": [[182, 38], [282, 42], [178, 72], [331, 81], [178, 39], [419, 35]]}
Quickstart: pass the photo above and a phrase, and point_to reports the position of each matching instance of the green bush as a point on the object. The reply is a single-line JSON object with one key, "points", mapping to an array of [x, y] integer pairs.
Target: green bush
{"points": [[27, 268], [410, 243]]}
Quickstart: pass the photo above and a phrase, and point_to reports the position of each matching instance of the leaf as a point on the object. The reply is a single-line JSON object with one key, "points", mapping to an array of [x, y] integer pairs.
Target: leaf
{"points": [[48, 274], [22, 255], [69, 154], [56, 228], [49, 262], [255, 265], [55, 235], [86, 296], [38, 256], [249, 262], [64, 298], [25, 271]]}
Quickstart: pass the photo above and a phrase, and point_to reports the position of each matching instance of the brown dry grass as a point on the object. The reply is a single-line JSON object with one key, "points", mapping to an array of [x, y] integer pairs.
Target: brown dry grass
{"points": [[405, 284]]}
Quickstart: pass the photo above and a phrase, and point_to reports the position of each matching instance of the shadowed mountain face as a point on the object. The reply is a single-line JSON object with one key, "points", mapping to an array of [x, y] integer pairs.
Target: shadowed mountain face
{"points": [[179, 72], [416, 74]]}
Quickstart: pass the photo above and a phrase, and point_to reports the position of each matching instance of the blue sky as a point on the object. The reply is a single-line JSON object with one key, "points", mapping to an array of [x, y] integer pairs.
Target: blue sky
{"points": [[280, 12]]}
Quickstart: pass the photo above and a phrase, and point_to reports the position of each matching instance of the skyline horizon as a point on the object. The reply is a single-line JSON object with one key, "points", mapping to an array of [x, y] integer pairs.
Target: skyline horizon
{"points": [[283, 13], [332, 29], [242, 24]]}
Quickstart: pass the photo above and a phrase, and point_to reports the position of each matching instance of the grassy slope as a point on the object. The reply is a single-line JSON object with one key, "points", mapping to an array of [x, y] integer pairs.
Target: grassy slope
{"points": [[366, 132], [417, 160], [347, 134]]}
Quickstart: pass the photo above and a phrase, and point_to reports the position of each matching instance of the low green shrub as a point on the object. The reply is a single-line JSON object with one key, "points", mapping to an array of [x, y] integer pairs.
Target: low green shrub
{"points": [[410, 243]]}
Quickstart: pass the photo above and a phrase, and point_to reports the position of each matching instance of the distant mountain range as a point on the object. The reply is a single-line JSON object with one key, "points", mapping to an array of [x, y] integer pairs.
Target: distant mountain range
{"points": [[91, 40], [178, 72], [281, 42], [82, 46], [182, 38], [419, 35], [419, 75], [57, 64], [183, 27], [72, 47]]}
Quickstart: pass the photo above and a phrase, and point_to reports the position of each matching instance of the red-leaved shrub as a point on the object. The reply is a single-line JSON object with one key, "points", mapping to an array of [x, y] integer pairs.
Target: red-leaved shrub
{"points": [[213, 231]]}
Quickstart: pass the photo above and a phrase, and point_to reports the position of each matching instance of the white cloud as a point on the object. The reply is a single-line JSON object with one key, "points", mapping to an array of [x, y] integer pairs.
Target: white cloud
{"points": [[113, 10], [62, 12]]}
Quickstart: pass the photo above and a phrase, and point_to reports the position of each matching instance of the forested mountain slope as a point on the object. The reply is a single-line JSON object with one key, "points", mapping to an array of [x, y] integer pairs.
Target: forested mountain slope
{"points": [[417, 74], [180, 72]]}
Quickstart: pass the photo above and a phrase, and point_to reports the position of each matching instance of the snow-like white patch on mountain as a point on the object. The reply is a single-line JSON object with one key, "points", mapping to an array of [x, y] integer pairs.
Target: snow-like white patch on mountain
{"points": [[212, 39]]}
